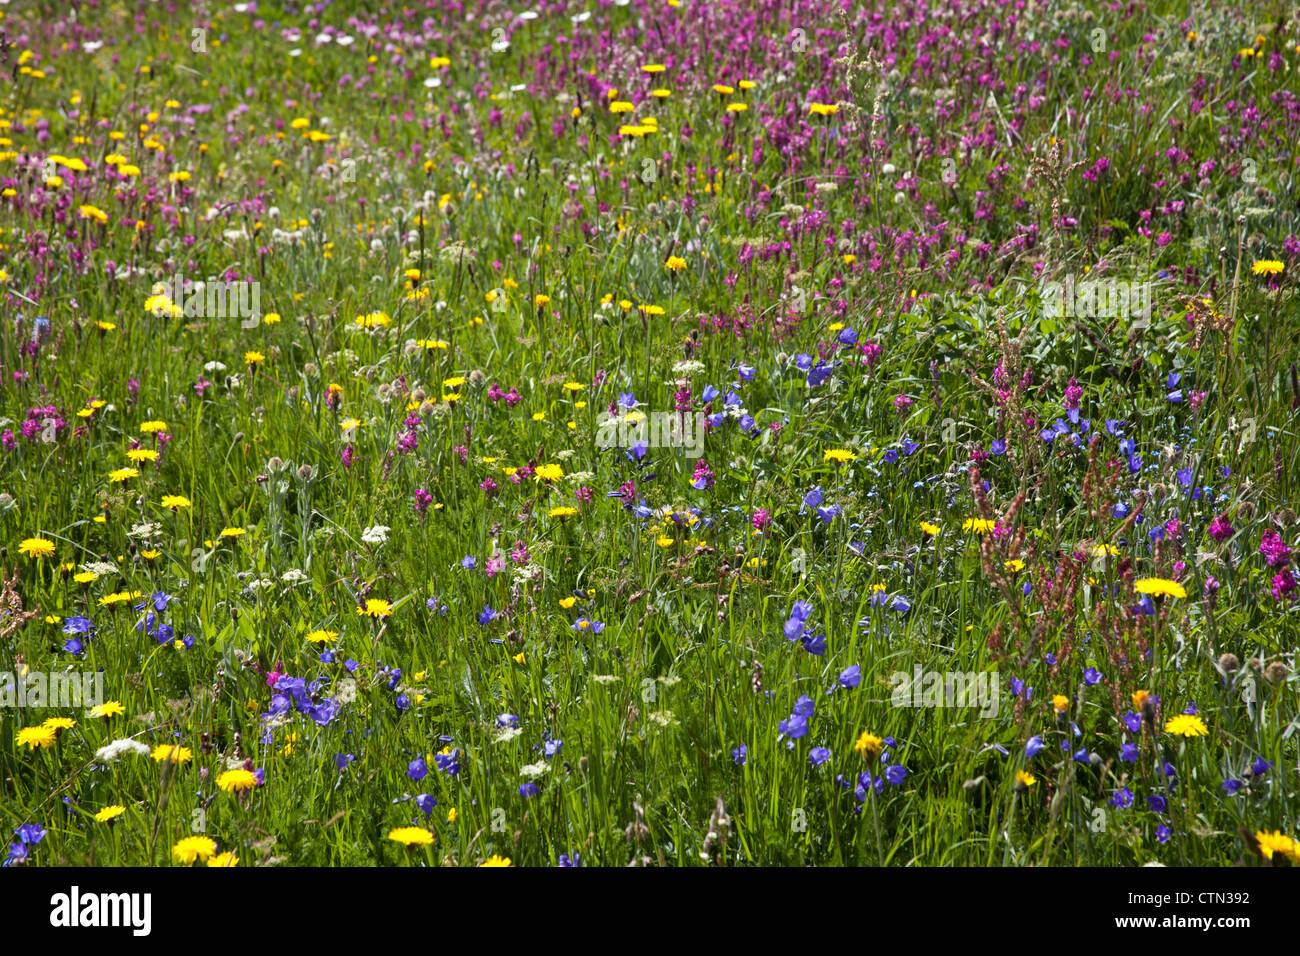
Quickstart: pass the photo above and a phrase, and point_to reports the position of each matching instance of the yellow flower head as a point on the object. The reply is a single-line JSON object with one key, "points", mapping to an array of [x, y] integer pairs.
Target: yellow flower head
{"points": [[375, 608], [36, 548], [411, 836], [869, 745], [1276, 842], [1186, 725], [193, 848], [172, 754], [33, 737], [237, 780], [1160, 586]]}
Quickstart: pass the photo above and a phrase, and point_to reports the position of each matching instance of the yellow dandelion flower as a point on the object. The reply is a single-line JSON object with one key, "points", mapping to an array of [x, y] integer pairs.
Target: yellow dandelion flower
{"points": [[110, 813], [869, 745], [33, 737], [237, 780], [411, 836], [1186, 725], [1160, 587], [172, 754], [36, 548], [193, 848], [375, 608]]}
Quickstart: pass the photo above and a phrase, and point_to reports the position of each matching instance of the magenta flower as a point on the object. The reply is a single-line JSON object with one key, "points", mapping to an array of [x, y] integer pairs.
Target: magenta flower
{"points": [[1274, 549]]}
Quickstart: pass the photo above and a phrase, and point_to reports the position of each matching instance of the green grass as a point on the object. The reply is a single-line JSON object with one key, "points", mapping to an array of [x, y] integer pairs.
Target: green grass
{"points": [[692, 662]]}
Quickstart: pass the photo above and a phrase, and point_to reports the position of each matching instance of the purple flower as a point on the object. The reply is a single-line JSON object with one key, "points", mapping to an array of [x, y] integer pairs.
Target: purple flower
{"points": [[1274, 549], [418, 769], [528, 790], [818, 756], [426, 803]]}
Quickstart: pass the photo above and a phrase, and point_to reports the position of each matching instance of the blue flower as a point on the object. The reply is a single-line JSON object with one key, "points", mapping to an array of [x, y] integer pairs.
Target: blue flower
{"points": [[486, 615], [819, 373], [814, 645], [567, 861], [469, 562], [818, 756], [1162, 833], [552, 747], [1122, 798], [426, 803], [851, 676], [739, 755], [418, 769], [867, 783], [1129, 753], [1157, 803], [1034, 745], [794, 625], [528, 790], [1231, 786], [1091, 677], [448, 762]]}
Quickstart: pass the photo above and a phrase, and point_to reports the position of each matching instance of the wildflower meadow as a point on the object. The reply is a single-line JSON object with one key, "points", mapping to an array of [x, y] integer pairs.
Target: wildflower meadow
{"points": [[649, 433]]}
